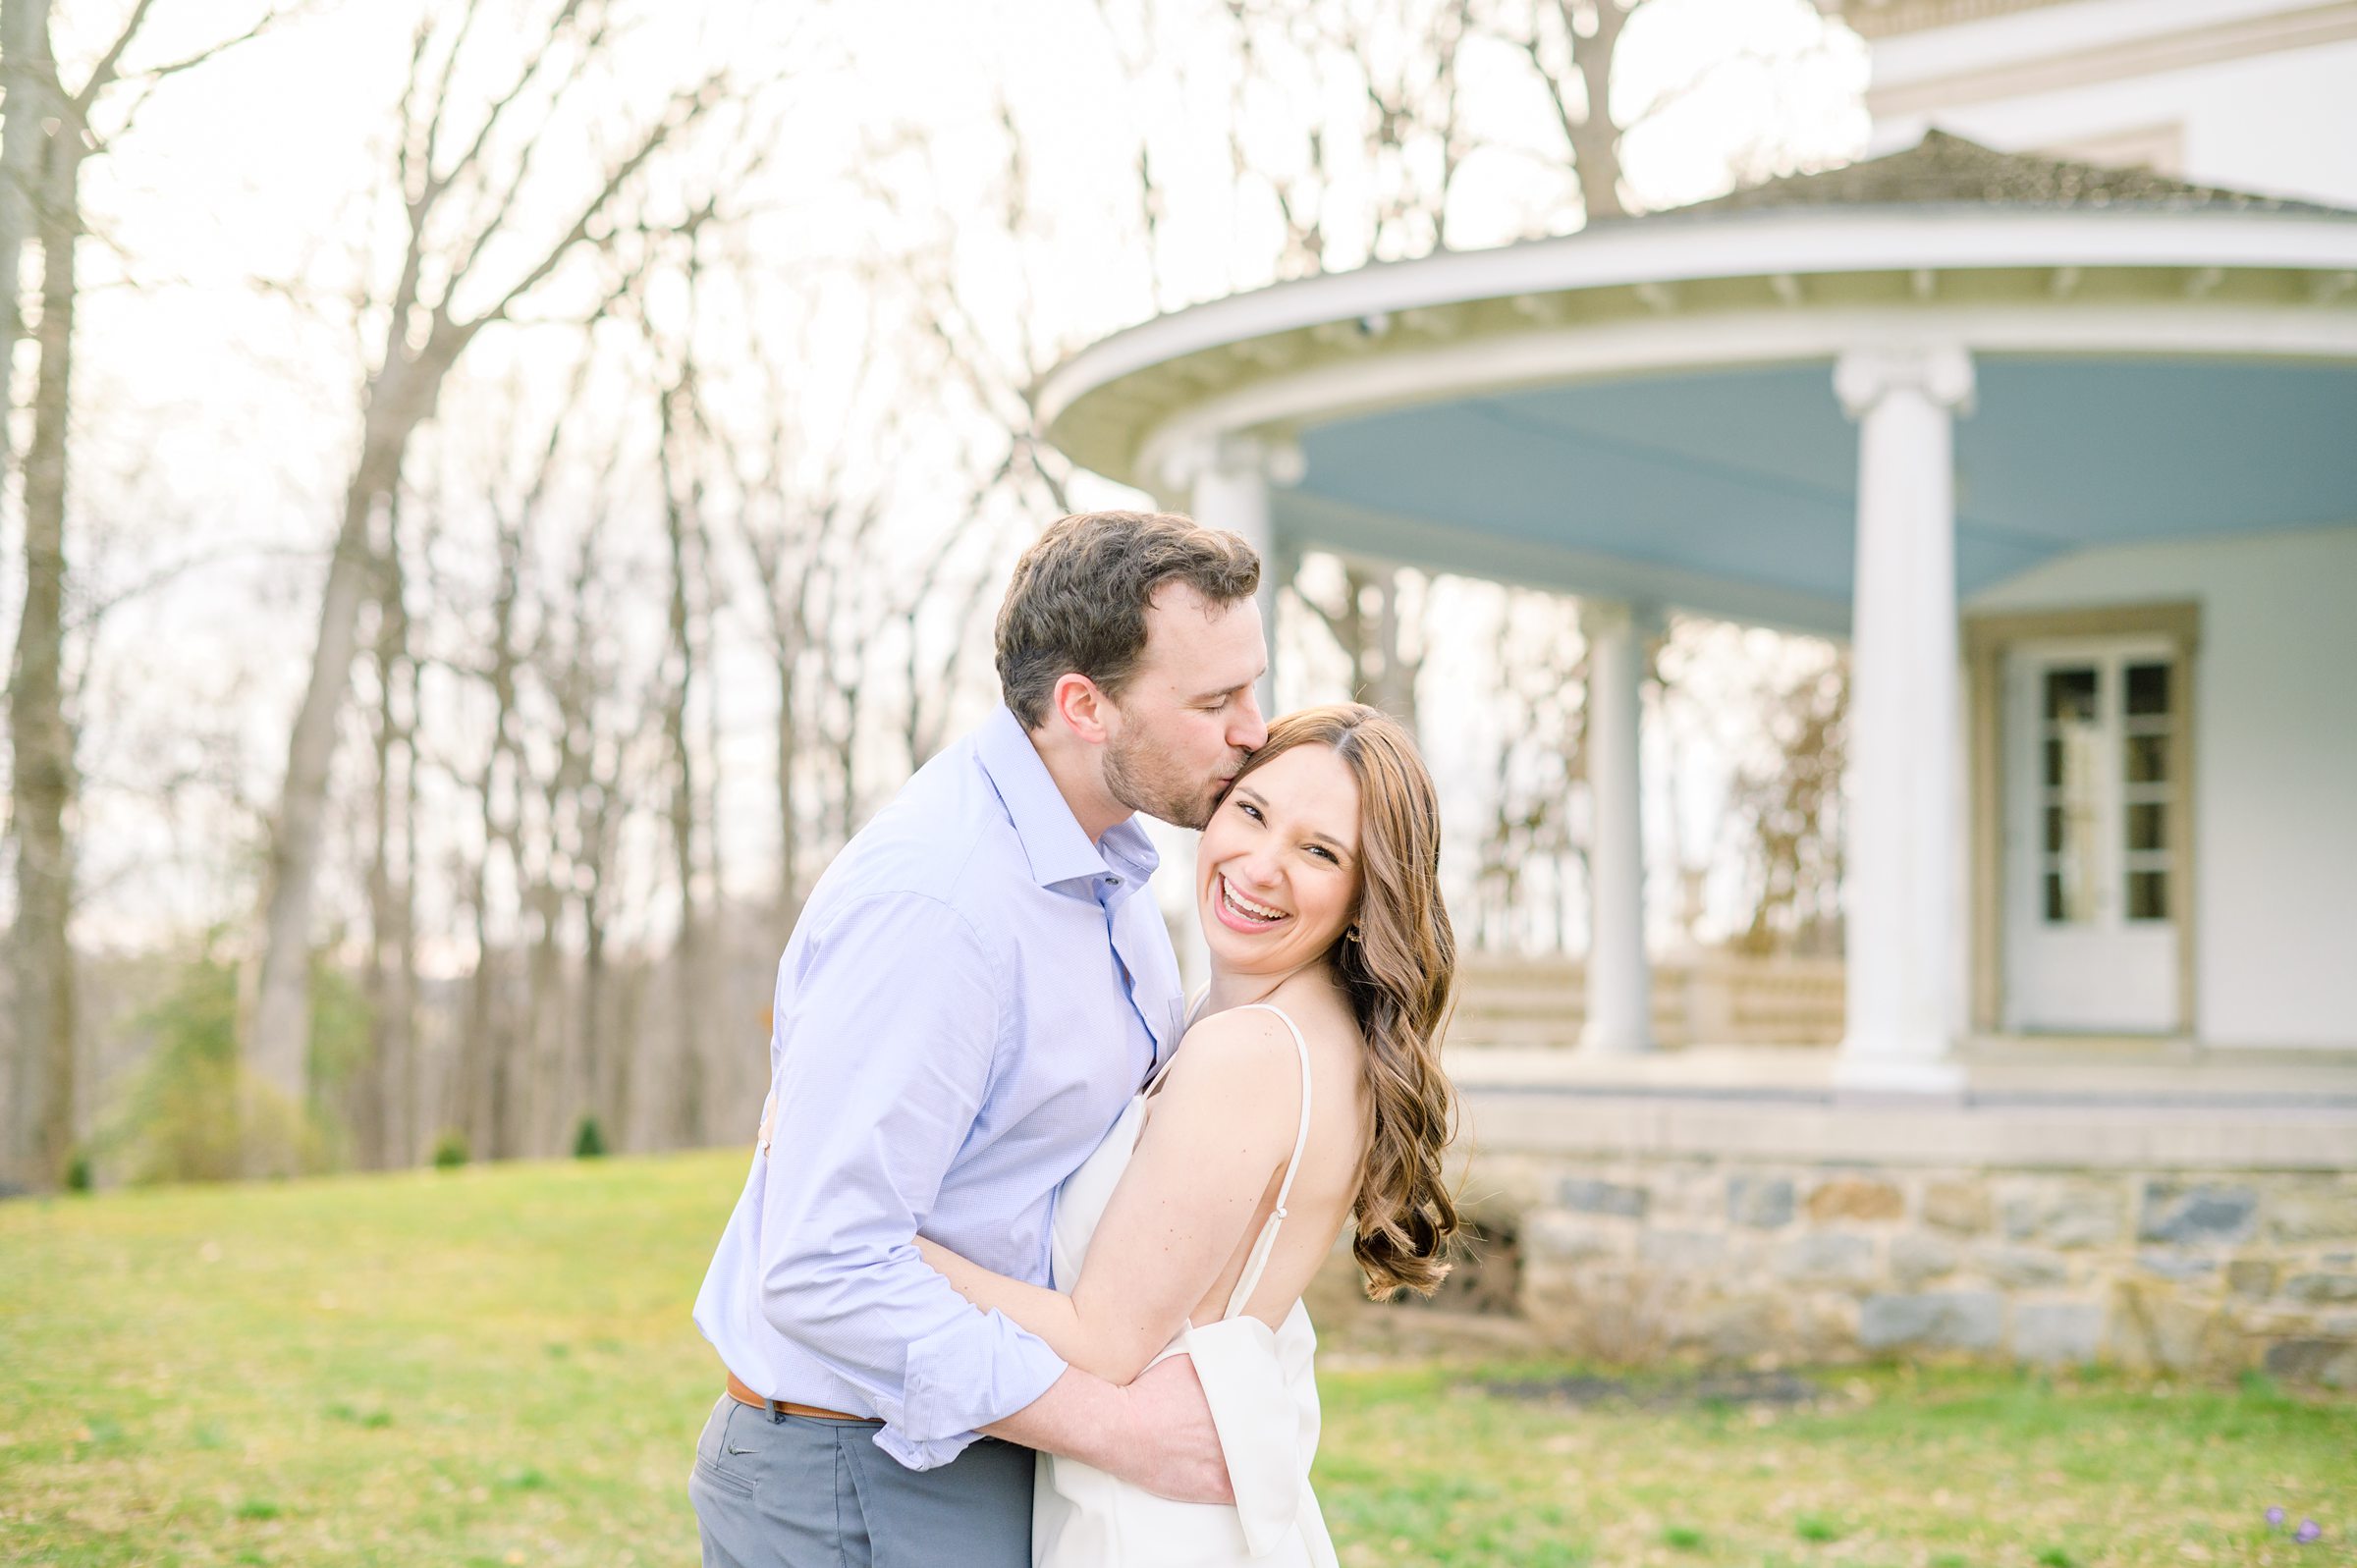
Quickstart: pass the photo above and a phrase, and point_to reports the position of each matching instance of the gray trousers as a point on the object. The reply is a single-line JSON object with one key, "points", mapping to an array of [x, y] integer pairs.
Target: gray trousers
{"points": [[793, 1491]]}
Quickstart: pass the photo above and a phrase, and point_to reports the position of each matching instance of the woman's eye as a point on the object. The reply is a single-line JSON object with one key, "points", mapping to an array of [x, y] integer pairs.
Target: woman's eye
{"points": [[1248, 809], [1324, 853]]}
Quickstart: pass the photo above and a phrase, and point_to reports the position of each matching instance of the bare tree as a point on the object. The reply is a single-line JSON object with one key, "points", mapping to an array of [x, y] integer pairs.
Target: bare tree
{"points": [[1571, 44], [680, 464], [471, 203], [26, 79], [384, 1107], [1374, 183], [797, 501], [1381, 637], [1541, 771], [48, 136], [1790, 801], [581, 1071]]}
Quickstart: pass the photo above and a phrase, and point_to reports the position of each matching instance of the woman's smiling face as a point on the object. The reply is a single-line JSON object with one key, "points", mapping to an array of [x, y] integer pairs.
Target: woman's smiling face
{"points": [[1277, 872]]}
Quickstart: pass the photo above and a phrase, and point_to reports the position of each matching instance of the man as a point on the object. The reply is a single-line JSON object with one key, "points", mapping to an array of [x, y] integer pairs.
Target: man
{"points": [[977, 986]]}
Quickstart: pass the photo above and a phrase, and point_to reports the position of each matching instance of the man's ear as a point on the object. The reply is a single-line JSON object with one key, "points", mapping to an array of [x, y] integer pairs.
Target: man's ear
{"points": [[1080, 706]]}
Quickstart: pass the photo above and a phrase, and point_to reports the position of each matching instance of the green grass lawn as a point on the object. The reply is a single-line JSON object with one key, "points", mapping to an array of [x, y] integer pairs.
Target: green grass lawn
{"points": [[495, 1366]]}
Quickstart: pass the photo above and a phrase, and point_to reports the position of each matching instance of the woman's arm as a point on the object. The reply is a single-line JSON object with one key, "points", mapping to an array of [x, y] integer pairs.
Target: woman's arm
{"points": [[1223, 1126]]}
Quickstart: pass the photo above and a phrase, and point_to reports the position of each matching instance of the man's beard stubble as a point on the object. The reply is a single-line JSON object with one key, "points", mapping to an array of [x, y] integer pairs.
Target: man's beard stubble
{"points": [[1143, 780]]}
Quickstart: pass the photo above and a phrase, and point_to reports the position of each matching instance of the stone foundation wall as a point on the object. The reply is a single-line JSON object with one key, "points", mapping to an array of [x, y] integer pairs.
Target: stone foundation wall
{"points": [[1636, 1258]]}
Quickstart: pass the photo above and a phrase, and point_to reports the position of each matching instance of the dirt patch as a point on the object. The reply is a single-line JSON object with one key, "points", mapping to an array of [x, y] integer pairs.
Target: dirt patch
{"points": [[1732, 1389]]}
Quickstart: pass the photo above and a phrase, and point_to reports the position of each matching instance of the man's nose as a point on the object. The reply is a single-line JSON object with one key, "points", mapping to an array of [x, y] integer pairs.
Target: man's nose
{"points": [[1250, 732]]}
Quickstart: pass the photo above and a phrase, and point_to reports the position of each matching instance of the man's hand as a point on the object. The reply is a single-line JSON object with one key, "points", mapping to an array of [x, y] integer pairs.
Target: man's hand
{"points": [[1178, 1455], [1156, 1432]]}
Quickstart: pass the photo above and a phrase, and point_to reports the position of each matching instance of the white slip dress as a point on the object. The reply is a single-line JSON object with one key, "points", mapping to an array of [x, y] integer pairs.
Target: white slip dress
{"points": [[1261, 1386]]}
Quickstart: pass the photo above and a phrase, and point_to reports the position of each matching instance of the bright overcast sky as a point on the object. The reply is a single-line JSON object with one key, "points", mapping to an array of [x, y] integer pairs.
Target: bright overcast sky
{"points": [[216, 414]]}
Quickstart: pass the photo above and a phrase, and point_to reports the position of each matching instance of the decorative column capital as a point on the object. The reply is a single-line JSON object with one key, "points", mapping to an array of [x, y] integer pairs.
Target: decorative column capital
{"points": [[1231, 453], [1599, 618], [1940, 373]]}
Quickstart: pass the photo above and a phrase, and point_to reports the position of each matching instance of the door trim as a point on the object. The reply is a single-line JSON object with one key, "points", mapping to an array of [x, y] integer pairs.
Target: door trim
{"points": [[1987, 638]]}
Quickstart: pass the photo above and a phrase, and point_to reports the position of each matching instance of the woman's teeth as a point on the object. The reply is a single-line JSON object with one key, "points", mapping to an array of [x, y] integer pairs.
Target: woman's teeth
{"points": [[1245, 907]]}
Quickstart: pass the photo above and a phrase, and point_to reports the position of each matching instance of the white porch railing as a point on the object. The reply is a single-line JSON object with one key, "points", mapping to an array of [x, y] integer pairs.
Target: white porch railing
{"points": [[1716, 1000]]}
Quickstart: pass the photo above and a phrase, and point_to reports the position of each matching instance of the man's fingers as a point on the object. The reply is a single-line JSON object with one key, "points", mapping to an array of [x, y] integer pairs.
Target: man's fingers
{"points": [[1194, 1469]]}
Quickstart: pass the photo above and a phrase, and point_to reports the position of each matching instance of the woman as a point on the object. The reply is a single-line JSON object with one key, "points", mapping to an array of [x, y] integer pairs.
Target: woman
{"points": [[1307, 1091]]}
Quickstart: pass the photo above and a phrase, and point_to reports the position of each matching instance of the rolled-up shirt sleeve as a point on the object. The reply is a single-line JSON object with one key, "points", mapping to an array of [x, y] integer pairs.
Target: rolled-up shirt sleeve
{"points": [[888, 1056]]}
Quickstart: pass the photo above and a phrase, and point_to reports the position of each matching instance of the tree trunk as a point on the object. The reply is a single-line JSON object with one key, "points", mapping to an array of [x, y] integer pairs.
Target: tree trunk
{"points": [[24, 79], [789, 888], [604, 1070], [687, 964], [370, 1107], [402, 1060], [384, 1102], [278, 1043], [1395, 691], [39, 730], [549, 1112], [1595, 139], [475, 1088], [489, 1079]]}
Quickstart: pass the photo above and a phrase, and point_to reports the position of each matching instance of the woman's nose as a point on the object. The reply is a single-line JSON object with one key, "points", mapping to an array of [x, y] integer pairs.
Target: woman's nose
{"points": [[1259, 869]]}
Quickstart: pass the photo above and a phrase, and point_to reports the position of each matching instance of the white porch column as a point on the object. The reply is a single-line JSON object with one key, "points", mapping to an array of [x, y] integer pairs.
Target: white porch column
{"points": [[1902, 917], [1228, 480], [1619, 985]]}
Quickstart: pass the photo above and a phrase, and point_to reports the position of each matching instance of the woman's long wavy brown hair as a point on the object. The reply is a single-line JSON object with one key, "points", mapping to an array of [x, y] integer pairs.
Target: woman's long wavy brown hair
{"points": [[1398, 962]]}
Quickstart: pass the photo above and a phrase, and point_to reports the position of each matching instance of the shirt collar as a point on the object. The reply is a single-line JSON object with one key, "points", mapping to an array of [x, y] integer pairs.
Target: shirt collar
{"points": [[1058, 852]]}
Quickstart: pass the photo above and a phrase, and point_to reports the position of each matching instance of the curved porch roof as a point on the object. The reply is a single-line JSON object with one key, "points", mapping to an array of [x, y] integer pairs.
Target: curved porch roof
{"points": [[1645, 409]]}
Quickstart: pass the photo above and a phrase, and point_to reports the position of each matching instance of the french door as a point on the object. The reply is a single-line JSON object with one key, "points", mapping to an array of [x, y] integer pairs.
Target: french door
{"points": [[2095, 810]]}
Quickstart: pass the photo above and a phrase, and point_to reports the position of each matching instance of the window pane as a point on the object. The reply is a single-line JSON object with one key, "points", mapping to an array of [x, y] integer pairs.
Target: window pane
{"points": [[2070, 694], [2148, 759], [2148, 688], [2074, 829], [2147, 825], [2071, 892], [2148, 895]]}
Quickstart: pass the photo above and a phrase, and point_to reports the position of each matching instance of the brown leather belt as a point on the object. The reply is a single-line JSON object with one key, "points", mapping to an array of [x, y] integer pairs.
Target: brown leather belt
{"points": [[744, 1395]]}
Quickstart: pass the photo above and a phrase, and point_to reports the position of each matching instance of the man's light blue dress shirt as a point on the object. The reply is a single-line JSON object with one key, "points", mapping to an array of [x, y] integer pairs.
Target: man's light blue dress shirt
{"points": [[972, 993]]}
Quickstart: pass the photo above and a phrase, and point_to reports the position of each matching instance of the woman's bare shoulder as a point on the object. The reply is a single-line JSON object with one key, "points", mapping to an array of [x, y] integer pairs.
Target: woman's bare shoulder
{"points": [[1318, 1005], [1233, 1046], [1249, 1049]]}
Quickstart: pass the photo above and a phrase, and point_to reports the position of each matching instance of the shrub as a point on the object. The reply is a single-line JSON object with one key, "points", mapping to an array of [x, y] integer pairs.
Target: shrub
{"points": [[589, 1143], [450, 1150], [194, 1113], [180, 1121]]}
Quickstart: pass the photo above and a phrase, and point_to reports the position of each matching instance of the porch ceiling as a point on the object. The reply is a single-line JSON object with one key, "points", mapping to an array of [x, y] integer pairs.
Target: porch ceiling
{"points": [[1734, 491]]}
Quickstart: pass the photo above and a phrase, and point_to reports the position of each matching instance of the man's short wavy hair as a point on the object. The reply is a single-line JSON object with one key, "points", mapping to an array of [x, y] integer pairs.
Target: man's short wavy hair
{"points": [[1078, 601]]}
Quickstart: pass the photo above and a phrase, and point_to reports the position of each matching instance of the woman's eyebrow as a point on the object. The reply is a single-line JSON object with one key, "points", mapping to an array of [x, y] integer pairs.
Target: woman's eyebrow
{"points": [[1247, 792], [1330, 839]]}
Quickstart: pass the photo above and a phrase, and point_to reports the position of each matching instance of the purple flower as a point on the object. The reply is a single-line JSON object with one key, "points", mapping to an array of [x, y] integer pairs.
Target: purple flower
{"points": [[2309, 1530], [2274, 1518]]}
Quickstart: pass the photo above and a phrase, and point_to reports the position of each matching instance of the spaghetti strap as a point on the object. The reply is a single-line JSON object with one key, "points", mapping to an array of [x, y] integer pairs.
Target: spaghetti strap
{"points": [[1258, 1262]]}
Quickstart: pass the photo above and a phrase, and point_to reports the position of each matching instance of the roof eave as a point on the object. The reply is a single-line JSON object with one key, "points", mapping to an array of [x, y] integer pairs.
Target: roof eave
{"points": [[1670, 249]]}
